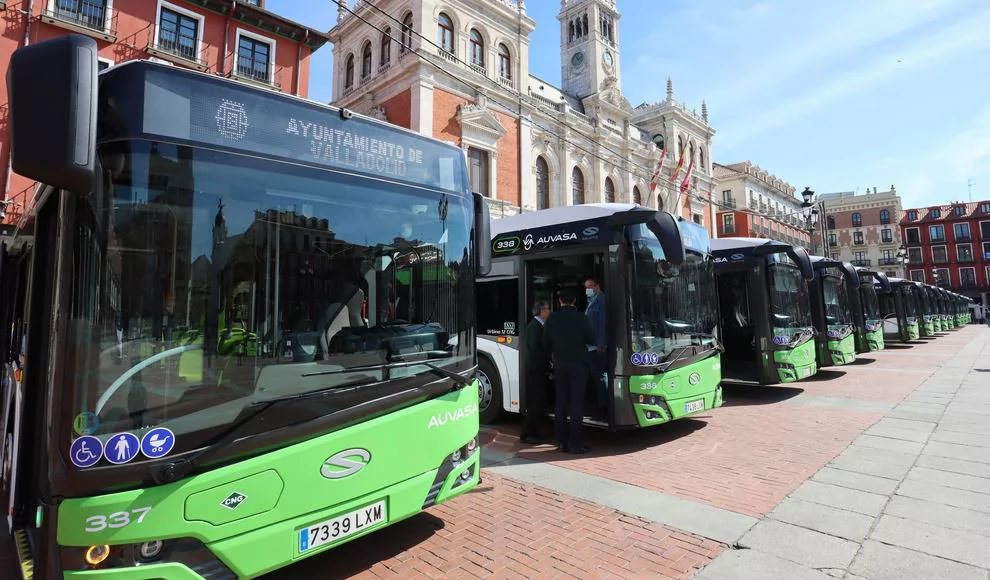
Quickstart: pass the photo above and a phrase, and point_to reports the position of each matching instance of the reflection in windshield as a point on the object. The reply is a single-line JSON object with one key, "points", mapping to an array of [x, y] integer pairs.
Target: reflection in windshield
{"points": [[871, 304], [836, 301], [790, 307], [670, 307], [910, 301], [228, 280]]}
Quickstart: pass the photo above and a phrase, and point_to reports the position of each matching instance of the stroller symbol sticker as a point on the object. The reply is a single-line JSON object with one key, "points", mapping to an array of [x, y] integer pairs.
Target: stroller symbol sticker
{"points": [[121, 448], [85, 451]]}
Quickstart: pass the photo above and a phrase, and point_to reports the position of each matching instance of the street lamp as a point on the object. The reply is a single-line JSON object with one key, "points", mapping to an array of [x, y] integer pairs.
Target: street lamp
{"points": [[808, 195]]}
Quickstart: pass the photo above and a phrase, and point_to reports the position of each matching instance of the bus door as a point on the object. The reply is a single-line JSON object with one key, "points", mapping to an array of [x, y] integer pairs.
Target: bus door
{"points": [[13, 276], [736, 323], [547, 276]]}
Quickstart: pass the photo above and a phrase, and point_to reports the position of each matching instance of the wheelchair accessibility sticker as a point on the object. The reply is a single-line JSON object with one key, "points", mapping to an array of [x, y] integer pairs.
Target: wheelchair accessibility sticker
{"points": [[85, 451]]}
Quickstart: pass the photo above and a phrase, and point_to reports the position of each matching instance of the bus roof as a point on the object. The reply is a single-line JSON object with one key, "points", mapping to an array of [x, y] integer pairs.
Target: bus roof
{"points": [[735, 243], [556, 216], [158, 102]]}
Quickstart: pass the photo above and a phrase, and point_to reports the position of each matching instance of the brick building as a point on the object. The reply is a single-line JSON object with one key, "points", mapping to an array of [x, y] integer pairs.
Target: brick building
{"points": [[863, 228], [950, 245], [232, 38], [754, 203], [458, 70]]}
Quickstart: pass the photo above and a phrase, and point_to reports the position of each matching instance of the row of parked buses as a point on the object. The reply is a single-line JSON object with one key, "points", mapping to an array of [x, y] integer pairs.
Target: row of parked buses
{"points": [[686, 313]]}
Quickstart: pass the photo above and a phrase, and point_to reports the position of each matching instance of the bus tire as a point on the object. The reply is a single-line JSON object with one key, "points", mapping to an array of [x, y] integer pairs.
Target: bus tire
{"points": [[489, 391]]}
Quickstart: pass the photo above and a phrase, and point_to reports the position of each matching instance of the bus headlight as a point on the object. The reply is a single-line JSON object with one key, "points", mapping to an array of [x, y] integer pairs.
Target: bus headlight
{"points": [[96, 555]]}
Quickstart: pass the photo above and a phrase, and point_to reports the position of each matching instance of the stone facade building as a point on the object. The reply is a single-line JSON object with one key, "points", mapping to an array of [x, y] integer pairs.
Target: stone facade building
{"points": [[863, 228], [458, 70]]}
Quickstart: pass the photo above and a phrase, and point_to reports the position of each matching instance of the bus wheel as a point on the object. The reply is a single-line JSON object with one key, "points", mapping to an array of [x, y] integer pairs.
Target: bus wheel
{"points": [[489, 392]]}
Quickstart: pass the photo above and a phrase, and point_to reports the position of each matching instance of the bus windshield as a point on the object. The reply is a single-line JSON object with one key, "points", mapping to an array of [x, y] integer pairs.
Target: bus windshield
{"points": [[790, 307], [836, 300], [207, 282], [670, 307], [871, 304], [910, 302]]}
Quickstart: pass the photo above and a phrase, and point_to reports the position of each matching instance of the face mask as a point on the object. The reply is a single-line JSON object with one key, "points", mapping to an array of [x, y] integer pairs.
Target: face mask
{"points": [[590, 292]]}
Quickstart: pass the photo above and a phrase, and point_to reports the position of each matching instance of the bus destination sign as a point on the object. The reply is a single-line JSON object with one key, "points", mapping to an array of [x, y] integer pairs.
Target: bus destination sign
{"points": [[546, 238]]}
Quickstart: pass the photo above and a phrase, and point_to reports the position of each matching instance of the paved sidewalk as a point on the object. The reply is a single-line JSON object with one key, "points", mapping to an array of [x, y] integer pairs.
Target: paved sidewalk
{"points": [[908, 499]]}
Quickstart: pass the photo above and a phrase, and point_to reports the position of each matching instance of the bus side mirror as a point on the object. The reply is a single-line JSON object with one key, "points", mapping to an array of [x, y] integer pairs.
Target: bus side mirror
{"points": [[52, 91], [482, 235], [664, 227]]}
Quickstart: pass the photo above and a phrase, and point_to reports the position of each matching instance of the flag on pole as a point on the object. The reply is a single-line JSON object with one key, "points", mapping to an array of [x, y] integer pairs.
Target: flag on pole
{"points": [[680, 163], [656, 173], [687, 177]]}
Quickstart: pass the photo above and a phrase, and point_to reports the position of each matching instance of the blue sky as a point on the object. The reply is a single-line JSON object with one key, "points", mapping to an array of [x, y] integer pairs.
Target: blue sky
{"points": [[838, 96]]}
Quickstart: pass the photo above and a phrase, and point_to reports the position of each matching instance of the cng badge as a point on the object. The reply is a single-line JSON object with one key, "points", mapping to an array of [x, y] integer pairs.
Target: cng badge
{"points": [[233, 500], [694, 379]]}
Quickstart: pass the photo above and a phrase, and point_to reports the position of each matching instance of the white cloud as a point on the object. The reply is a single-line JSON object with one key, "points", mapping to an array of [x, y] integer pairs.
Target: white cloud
{"points": [[950, 42]]}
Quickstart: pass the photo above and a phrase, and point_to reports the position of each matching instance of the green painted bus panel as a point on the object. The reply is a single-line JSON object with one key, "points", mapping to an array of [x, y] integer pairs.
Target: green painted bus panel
{"points": [[406, 449], [842, 351], [797, 363], [669, 394], [874, 339], [937, 323], [928, 328], [167, 571]]}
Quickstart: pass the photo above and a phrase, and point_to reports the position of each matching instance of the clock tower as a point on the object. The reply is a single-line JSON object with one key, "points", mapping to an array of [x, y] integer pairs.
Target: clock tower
{"points": [[589, 46]]}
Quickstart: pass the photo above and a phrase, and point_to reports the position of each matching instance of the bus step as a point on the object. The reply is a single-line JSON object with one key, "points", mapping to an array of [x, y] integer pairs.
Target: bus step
{"points": [[24, 554]]}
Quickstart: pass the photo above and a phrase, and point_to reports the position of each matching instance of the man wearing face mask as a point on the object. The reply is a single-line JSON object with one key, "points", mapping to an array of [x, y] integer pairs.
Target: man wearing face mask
{"points": [[595, 312]]}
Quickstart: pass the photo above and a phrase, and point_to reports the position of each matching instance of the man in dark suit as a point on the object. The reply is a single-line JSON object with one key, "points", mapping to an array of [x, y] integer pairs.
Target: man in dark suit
{"points": [[566, 335], [536, 362]]}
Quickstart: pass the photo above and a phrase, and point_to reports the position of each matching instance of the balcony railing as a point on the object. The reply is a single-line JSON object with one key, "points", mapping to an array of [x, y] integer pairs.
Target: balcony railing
{"points": [[91, 17], [729, 203], [888, 261], [258, 72], [864, 263], [178, 48]]}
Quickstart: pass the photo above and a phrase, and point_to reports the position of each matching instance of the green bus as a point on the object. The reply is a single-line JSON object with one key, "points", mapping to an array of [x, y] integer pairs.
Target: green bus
{"points": [[832, 292], [937, 305], [899, 310], [869, 338], [764, 311], [243, 323], [662, 356]]}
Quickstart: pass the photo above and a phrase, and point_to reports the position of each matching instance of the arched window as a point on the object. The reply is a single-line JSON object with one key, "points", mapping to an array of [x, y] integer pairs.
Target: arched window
{"points": [[637, 196], [477, 49], [386, 47], [542, 183], [577, 186], [609, 190], [445, 33], [504, 62], [366, 60], [407, 28], [857, 219], [584, 25], [884, 216], [701, 159], [349, 72]]}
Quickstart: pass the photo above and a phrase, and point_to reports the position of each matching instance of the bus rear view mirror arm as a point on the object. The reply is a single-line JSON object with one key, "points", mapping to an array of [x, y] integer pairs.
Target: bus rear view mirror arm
{"points": [[482, 235]]}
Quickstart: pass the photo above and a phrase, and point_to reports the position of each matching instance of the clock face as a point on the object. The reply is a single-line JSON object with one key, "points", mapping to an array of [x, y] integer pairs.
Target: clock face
{"points": [[607, 58], [577, 59]]}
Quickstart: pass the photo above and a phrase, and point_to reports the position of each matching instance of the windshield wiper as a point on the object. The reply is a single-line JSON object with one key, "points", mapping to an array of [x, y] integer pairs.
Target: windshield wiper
{"points": [[175, 470]]}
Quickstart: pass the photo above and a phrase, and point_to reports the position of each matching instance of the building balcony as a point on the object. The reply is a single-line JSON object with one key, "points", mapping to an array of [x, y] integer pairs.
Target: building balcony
{"points": [[863, 263], [257, 73], [888, 261], [92, 18], [729, 203], [180, 49]]}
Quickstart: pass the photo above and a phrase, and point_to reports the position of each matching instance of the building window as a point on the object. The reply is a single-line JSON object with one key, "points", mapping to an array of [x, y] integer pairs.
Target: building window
{"points": [[103, 64], [960, 210], [858, 238], [366, 61], [479, 169], [967, 277], [830, 222], [887, 258], [937, 233], [961, 232], [407, 29], [477, 49], [542, 183], [942, 277], [637, 196], [609, 190], [886, 236], [696, 218], [255, 56], [939, 255], [89, 13], [985, 230], [504, 63], [385, 50], [832, 241], [729, 223], [912, 235], [936, 213], [445, 33], [914, 256], [857, 219], [179, 32], [577, 186], [985, 207], [884, 216], [964, 252], [912, 214], [918, 275], [349, 72], [986, 250]]}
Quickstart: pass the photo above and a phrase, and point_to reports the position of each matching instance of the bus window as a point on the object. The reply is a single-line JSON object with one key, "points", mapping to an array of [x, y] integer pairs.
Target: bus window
{"points": [[498, 307]]}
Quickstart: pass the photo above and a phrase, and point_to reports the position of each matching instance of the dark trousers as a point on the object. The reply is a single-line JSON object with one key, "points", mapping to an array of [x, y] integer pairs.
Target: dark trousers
{"points": [[599, 390], [536, 401], [570, 380]]}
